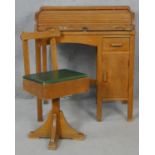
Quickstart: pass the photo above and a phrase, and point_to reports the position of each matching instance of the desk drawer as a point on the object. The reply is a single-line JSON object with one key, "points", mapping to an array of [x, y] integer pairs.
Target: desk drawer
{"points": [[115, 44]]}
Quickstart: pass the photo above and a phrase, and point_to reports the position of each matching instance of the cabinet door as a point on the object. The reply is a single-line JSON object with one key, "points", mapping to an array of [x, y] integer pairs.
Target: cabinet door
{"points": [[115, 75]]}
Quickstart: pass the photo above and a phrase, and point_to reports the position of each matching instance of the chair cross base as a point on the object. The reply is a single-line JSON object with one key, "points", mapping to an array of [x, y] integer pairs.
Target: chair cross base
{"points": [[56, 127]]}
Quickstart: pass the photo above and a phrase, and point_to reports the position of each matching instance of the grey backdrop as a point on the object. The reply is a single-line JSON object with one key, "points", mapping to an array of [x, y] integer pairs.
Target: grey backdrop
{"points": [[73, 56]]}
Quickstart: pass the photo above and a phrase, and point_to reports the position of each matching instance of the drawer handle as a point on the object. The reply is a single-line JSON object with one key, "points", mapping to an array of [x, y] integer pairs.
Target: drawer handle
{"points": [[116, 45]]}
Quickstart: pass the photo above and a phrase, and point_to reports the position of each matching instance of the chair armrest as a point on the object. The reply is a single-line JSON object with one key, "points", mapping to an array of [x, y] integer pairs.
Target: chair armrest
{"points": [[40, 35]]}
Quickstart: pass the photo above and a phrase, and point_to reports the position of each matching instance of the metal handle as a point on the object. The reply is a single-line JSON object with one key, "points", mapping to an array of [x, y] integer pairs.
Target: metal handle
{"points": [[117, 45]]}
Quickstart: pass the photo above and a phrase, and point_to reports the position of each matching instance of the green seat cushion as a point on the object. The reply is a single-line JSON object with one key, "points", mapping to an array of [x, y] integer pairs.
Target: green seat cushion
{"points": [[55, 76]]}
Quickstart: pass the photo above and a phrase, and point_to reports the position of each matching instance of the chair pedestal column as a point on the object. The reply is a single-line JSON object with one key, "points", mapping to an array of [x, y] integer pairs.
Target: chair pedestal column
{"points": [[56, 127]]}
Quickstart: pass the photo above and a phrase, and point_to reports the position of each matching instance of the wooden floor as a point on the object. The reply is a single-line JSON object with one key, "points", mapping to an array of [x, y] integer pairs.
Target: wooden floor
{"points": [[113, 135]]}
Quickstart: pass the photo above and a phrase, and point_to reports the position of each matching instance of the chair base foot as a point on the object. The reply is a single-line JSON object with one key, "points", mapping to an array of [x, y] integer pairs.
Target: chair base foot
{"points": [[52, 146], [56, 127]]}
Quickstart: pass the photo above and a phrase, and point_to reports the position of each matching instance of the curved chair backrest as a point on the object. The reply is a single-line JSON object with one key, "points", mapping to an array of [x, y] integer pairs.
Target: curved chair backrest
{"points": [[41, 39]]}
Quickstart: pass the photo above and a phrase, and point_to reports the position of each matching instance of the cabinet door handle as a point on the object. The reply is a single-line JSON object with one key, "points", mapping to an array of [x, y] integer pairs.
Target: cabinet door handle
{"points": [[105, 76], [116, 45]]}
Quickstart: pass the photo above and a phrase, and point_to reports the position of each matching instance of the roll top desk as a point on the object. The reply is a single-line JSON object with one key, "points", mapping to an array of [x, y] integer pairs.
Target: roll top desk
{"points": [[112, 31]]}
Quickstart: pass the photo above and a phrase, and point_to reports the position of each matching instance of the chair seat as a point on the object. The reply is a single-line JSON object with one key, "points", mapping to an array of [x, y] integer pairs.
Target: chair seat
{"points": [[54, 76]]}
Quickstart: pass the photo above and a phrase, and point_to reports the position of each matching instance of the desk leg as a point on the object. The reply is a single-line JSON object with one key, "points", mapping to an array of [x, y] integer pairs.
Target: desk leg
{"points": [[39, 109], [130, 109], [131, 78], [99, 76], [130, 102], [99, 104], [38, 69]]}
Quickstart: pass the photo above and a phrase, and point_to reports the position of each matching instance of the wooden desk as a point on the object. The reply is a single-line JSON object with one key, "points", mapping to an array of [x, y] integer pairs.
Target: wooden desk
{"points": [[111, 30]]}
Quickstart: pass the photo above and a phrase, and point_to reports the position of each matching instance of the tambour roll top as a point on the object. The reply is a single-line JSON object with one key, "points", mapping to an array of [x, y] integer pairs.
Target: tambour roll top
{"points": [[79, 18]]}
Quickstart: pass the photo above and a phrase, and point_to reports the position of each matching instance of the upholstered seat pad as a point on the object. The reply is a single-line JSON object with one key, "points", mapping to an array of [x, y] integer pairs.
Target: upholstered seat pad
{"points": [[55, 76]]}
